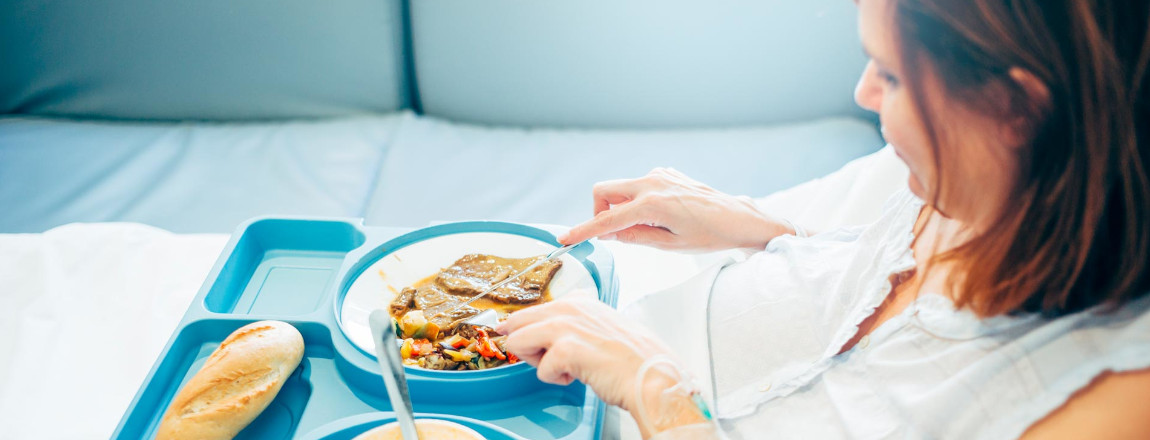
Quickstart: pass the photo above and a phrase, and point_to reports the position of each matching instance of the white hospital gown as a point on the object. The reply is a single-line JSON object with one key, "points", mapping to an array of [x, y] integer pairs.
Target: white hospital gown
{"points": [[776, 321]]}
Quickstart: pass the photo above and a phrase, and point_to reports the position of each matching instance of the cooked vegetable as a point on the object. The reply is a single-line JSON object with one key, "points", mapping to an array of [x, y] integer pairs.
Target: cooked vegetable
{"points": [[495, 350], [459, 356], [412, 322], [481, 344], [422, 347], [429, 331], [415, 325], [456, 341], [406, 350], [486, 347], [454, 352]]}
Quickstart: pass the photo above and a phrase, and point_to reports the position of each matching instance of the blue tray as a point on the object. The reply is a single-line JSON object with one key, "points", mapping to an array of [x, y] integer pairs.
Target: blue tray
{"points": [[297, 270]]}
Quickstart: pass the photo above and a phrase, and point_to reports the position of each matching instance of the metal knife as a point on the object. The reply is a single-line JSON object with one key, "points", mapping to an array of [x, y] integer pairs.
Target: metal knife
{"points": [[392, 368]]}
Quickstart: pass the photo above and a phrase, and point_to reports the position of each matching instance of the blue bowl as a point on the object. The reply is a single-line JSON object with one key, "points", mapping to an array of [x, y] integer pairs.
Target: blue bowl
{"points": [[349, 427]]}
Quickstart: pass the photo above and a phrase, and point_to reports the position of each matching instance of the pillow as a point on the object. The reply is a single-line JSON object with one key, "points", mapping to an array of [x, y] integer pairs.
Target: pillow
{"points": [[439, 170]]}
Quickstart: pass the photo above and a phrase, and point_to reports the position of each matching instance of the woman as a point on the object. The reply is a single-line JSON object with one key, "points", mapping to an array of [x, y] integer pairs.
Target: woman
{"points": [[1002, 295]]}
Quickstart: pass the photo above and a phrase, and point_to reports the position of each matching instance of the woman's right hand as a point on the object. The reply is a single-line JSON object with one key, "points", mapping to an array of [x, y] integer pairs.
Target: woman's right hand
{"points": [[580, 338], [668, 210]]}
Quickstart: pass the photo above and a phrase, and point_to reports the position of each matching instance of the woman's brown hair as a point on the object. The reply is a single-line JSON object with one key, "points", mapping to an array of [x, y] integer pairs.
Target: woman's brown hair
{"points": [[1076, 233]]}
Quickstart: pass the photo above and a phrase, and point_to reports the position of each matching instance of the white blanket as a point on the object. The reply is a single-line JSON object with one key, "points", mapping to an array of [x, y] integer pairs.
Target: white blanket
{"points": [[85, 309]]}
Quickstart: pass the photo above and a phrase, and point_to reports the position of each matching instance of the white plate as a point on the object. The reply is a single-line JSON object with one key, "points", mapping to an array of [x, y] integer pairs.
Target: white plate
{"points": [[377, 285]]}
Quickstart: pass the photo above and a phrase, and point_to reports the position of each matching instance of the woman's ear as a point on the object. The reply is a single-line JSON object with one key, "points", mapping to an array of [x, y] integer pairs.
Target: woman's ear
{"points": [[1028, 112]]}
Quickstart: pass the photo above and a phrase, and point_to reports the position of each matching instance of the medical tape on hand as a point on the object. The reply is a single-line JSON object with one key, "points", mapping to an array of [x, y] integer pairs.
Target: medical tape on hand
{"points": [[683, 388]]}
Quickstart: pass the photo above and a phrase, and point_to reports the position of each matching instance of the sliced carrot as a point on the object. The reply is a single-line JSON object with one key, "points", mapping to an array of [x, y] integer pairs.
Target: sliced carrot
{"points": [[422, 347]]}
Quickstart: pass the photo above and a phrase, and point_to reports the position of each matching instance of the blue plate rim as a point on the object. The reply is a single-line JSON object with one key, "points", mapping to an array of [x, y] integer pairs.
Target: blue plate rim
{"points": [[401, 241]]}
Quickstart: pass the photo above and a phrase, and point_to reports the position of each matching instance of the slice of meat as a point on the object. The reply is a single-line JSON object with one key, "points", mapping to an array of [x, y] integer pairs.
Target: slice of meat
{"points": [[403, 302], [474, 273], [436, 304]]}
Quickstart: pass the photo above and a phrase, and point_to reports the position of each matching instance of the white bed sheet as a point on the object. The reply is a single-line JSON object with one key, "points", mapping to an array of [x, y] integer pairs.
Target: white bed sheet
{"points": [[84, 311]]}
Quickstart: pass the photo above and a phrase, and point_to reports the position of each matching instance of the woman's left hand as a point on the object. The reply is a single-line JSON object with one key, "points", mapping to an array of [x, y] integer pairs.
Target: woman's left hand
{"points": [[582, 339]]}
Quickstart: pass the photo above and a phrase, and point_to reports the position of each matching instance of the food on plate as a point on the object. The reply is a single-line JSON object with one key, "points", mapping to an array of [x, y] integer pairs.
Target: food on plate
{"points": [[237, 382], [428, 318], [429, 429], [474, 273]]}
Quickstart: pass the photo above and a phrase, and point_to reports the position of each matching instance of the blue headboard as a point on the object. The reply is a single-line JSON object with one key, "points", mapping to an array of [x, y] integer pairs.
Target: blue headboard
{"points": [[552, 63], [201, 59]]}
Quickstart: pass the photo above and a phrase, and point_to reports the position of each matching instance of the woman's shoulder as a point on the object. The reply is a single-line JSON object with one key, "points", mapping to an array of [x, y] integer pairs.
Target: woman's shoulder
{"points": [[1112, 406], [1095, 370]]}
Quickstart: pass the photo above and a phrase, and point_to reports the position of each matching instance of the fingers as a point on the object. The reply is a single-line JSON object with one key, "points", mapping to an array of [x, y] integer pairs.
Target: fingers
{"points": [[541, 339], [566, 238], [617, 192], [556, 365], [534, 314], [534, 341], [605, 194], [614, 192], [579, 339], [618, 218], [657, 236], [580, 306]]}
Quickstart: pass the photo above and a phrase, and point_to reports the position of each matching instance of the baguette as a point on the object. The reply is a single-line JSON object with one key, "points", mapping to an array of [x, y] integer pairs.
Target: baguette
{"points": [[238, 381]]}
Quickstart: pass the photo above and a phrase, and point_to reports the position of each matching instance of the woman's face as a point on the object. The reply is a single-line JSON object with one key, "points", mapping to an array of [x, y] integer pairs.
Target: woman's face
{"points": [[977, 164]]}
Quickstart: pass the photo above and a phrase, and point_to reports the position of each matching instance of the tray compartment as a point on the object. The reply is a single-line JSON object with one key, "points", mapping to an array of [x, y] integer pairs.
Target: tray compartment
{"points": [[282, 267], [187, 354]]}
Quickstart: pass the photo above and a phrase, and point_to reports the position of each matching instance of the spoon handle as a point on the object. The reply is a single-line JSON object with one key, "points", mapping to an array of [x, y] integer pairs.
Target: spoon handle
{"points": [[392, 368]]}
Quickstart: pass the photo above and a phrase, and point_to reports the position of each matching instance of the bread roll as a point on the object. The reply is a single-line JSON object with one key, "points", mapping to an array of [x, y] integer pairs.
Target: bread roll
{"points": [[236, 384]]}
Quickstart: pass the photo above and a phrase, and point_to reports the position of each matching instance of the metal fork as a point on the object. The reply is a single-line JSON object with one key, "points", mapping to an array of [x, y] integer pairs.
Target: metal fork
{"points": [[553, 255], [488, 318]]}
